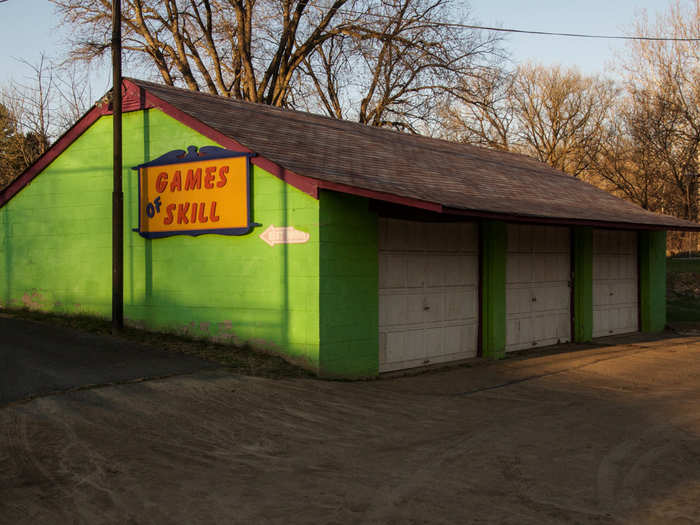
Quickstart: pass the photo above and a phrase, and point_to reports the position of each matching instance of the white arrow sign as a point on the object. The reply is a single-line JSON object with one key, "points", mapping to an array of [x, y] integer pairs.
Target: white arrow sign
{"points": [[283, 235]]}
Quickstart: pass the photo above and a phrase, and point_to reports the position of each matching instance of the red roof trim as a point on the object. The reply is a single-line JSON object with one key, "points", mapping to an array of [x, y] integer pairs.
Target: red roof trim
{"points": [[305, 184], [54, 151], [563, 222]]}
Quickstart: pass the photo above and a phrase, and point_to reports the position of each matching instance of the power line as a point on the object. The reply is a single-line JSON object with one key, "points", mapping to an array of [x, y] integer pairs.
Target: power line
{"points": [[545, 33], [577, 35]]}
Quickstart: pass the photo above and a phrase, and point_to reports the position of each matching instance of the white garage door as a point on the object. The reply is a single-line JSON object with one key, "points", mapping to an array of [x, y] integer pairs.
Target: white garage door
{"points": [[428, 292], [538, 293], [615, 303]]}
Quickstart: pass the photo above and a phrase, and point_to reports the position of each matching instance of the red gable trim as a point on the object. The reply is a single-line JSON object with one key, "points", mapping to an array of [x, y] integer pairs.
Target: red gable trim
{"points": [[305, 184], [137, 98], [54, 151]]}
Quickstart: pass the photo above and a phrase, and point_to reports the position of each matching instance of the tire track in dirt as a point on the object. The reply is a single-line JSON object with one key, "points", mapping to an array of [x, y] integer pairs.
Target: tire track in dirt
{"points": [[631, 463], [28, 471]]}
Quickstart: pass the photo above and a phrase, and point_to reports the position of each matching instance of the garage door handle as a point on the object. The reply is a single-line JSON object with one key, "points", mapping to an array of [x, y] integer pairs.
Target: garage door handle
{"points": [[534, 299], [426, 308]]}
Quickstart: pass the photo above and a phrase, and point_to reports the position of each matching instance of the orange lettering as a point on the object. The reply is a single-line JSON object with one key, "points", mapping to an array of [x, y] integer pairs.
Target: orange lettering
{"points": [[161, 182], [176, 182], [222, 176], [194, 179]]}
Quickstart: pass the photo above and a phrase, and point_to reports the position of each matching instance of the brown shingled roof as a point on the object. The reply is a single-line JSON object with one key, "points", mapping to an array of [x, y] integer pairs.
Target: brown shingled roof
{"points": [[458, 177]]}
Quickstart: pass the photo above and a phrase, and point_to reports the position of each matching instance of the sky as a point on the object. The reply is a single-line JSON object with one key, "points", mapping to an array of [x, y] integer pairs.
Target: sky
{"points": [[30, 27], [607, 17]]}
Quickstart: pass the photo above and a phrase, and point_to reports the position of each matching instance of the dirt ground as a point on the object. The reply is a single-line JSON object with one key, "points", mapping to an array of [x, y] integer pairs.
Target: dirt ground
{"points": [[609, 434]]}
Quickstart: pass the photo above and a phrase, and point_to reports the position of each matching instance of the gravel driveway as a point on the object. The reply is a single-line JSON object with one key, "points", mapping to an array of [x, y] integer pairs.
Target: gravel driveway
{"points": [[609, 434]]}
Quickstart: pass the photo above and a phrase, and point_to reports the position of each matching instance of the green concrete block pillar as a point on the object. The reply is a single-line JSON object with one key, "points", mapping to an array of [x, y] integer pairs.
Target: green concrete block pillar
{"points": [[349, 287], [494, 242], [652, 280], [582, 255]]}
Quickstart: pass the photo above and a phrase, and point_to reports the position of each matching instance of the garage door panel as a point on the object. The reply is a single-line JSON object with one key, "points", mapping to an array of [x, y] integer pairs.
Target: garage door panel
{"points": [[553, 298], [601, 293], [436, 270], [467, 240], [395, 311], [421, 309], [629, 317], [538, 293], [392, 271], [454, 340], [433, 307], [561, 267], [404, 346], [416, 269], [623, 294], [518, 300], [458, 339], [429, 313], [460, 270], [615, 286], [519, 268], [520, 239], [629, 268], [600, 322], [432, 342], [517, 331], [461, 305]]}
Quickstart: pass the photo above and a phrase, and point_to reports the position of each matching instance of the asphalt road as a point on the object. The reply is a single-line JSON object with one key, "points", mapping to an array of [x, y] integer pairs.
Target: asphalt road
{"points": [[36, 359]]}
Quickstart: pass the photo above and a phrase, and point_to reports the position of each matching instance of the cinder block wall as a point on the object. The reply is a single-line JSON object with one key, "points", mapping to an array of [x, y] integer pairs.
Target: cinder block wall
{"points": [[55, 242], [349, 295]]}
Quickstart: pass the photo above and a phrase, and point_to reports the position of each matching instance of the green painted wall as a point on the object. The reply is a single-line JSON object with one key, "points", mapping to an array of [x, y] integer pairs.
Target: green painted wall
{"points": [[349, 297], [494, 244], [583, 283], [652, 279], [55, 237]]}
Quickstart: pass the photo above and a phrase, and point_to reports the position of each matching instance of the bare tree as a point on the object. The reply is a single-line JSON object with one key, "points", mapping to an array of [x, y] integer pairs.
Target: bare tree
{"points": [[402, 66], [37, 110], [556, 115], [483, 113], [663, 86], [32, 101], [25, 120], [562, 115], [378, 61], [625, 167], [72, 95]]}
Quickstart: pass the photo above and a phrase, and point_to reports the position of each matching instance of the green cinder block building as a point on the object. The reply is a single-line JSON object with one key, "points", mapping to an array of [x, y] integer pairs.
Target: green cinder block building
{"points": [[348, 249]]}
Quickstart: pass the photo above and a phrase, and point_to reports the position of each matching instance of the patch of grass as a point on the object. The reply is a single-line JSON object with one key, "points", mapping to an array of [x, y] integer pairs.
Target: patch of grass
{"points": [[683, 265], [682, 301], [683, 309], [242, 360]]}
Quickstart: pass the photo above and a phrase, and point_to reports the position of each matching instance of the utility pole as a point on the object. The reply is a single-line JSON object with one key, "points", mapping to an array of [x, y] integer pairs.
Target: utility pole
{"points": [[117, 193]]}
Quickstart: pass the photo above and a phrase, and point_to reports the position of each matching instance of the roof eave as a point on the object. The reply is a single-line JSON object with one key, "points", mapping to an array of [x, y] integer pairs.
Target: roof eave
{"points": [[138, 98]]}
